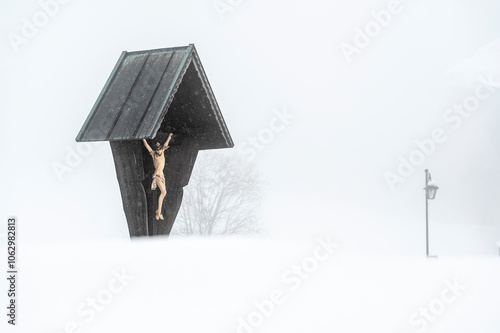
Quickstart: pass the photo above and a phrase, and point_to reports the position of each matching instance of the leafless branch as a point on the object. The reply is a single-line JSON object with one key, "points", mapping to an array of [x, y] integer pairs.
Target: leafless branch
{"points": [[223, 198]]}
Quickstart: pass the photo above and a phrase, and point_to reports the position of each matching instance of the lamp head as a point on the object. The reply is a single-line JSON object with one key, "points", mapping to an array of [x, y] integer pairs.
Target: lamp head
{"points": [[431, 190]]}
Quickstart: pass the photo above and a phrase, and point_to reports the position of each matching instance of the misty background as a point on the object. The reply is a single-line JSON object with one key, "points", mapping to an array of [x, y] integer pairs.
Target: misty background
{"points": [[349, 120]]}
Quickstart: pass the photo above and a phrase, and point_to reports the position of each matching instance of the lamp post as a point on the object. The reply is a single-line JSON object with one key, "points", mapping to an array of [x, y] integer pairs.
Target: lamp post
{"points": [[430, 193]]}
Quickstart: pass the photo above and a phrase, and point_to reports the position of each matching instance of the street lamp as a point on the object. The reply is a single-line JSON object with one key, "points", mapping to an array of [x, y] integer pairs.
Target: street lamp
{"points": [[430, 193]]}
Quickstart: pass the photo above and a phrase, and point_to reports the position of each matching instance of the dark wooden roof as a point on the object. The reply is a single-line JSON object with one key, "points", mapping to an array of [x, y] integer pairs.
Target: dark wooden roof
{"points": [[162, 90]]}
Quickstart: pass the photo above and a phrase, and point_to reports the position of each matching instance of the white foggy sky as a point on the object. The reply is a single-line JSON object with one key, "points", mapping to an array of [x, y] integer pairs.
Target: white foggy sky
{"points": [[326, 169]]}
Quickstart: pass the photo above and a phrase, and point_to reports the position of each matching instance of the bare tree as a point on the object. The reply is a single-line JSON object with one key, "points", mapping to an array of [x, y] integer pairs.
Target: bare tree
{"points": [[223, 197]]}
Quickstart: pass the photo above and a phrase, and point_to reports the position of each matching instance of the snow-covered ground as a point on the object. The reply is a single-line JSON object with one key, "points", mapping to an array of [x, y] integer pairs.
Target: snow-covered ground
{"points": [[250, 285]]}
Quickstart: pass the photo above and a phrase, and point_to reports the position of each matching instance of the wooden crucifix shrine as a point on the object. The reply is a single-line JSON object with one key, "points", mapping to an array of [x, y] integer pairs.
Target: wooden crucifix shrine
{"points": [[149, 95]]}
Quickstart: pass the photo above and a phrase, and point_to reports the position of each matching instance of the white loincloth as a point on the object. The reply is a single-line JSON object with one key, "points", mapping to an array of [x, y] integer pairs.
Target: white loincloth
{"points": [[155, 180]]}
